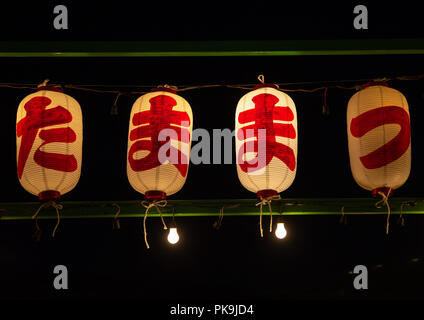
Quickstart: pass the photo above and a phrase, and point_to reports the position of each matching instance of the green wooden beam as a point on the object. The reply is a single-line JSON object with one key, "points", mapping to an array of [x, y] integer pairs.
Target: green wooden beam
{"points": [[211, 48], [199, 208]]}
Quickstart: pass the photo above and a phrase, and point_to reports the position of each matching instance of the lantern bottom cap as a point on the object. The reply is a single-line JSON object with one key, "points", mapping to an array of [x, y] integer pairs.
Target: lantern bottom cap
{"points": [[49, 195], [266, 193], [385, 190], [155, 195]]}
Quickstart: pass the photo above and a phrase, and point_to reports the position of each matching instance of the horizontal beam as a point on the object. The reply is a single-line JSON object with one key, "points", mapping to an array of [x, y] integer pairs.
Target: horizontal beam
{"points": [[211, 48], [199, 208]]}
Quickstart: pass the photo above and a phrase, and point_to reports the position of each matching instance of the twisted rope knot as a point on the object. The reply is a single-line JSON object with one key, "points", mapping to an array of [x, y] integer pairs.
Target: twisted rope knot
{"points": [[149, 204], [44, 205], [156, 203], [266, 201]]}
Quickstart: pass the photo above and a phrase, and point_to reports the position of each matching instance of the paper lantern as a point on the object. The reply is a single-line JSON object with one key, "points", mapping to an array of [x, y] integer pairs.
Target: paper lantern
{"points": [[159, 142], [379, 138], [266, 141], [49, 143]]}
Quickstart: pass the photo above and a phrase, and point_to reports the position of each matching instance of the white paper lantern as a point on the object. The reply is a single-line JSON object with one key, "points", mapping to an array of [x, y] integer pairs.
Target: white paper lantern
{"points": [[379, 138], [49, 143], [266, 140], [159, 142]]}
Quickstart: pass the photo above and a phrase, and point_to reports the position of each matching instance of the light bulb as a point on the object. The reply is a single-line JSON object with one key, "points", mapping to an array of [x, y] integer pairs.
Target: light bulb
{"points": [[173, 236], [280, 232]]}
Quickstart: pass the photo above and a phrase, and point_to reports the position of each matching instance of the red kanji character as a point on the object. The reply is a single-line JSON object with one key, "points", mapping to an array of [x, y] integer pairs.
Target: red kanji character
{"points": [[159, 117], [393, 149], [264, 114], [38, 117]]}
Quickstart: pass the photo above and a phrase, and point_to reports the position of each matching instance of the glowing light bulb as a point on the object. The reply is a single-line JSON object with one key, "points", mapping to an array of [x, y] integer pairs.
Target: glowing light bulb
{"points": [[280, 232], [173, 236]]}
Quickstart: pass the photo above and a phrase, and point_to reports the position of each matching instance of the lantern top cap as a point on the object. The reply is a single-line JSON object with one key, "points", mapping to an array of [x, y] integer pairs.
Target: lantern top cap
{"points": [[266, 85], [55, 88], [167, 88], [375, 83], [49, 87]]}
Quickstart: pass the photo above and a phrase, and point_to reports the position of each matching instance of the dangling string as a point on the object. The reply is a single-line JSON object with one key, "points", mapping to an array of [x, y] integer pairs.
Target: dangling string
{"points": [[401, 219], [148, 205], [266, 201], [53, 204], [325, 108], [261, 78], [384, 199], [44, 83], [57, 207], [217, 223], [116, 224], [114, 108], [343, 217], [405, 203], [270, 213]]}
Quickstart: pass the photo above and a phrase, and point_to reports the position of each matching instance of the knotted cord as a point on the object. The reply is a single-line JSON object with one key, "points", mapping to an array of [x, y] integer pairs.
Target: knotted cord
{"points": [[262, 202], [148, 204], [47, 204], [384, 200]]}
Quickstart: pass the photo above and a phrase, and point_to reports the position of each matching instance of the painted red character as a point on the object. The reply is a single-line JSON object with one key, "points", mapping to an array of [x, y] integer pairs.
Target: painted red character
{"points": [[264, 114], [150, 123], [393, 149], [37, 118]]}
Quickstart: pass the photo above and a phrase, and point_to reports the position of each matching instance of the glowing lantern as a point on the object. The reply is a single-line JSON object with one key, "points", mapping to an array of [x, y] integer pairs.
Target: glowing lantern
{"points": [[49, 143], [379, 138], [266, 142], [159, 142]]}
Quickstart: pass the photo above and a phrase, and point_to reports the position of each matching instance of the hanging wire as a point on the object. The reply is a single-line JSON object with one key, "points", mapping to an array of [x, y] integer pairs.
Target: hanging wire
{"points": [[323, 85], [174, 224]]}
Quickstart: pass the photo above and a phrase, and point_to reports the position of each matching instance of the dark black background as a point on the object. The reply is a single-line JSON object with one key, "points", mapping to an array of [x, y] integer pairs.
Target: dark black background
{"points": [[233, 263]]}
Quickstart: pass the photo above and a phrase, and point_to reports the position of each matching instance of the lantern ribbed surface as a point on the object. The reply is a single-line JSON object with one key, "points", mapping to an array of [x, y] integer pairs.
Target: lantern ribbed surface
{"points": [[49, 142], [159, 121], [379, 137], [266, 140]]}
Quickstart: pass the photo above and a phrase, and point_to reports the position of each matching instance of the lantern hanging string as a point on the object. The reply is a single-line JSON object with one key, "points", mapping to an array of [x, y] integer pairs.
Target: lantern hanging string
{"points": [[148, 204], [47, 204], [385, 201], [262, 202]]}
